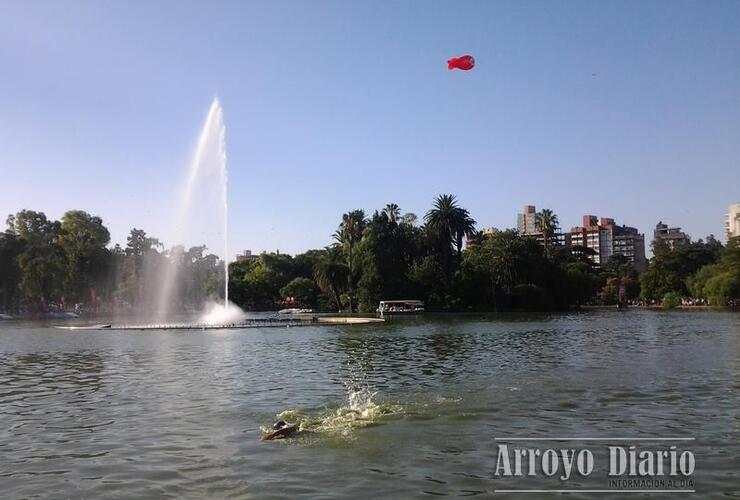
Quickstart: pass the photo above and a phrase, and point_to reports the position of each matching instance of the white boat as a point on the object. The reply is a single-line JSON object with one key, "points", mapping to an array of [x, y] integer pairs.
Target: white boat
{"points": [[400, 307]]}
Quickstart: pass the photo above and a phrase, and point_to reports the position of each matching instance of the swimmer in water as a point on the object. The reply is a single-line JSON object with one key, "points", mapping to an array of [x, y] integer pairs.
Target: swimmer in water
{"points": [[281, 430]]}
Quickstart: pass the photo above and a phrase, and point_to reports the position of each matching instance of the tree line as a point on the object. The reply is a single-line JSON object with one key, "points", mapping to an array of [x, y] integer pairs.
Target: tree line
{"points": [[704, 271], [389, 255], [386, 255], [68, 264]]}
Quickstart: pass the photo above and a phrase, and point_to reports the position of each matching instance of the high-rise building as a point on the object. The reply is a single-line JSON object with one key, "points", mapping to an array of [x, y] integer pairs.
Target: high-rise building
{"points": [[246, 255], [629, 242], [732, 221], [562, 239], [672, 236], [589, 235], [605, 239], [526, 222]]}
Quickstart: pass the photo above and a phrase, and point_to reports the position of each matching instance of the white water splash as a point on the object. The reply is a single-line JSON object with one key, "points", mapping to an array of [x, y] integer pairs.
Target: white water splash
{"points": [[360, 411], [219, 314], [209, 162]]}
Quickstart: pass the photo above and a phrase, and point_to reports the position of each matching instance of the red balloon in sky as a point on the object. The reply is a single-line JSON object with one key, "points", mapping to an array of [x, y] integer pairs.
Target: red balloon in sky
{"points": [[464, 63]]}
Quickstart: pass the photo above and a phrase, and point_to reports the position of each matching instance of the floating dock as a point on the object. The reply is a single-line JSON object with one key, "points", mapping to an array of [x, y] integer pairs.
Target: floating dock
{"points": [[247, 323]]}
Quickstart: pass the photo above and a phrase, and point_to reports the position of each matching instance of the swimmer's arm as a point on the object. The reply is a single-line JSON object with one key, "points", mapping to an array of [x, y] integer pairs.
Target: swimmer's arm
{"points": [[284, 432], [270, 436]]}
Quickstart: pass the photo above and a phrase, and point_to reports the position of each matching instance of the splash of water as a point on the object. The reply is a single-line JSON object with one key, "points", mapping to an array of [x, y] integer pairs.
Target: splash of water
{"points": [[209, 159], [220, 314], [360, 411]]}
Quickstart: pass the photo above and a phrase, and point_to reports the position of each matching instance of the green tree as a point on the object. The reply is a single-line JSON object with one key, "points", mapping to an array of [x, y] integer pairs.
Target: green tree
{"points": [[426, 276], [41, 262], [515, 269], [304, 263], [257, 284], [670, 300], [140, 267], [447, 224], [200, 276], [237, 291], [719, 283], [385, 255], [409, 218], [303, 290], [82, 240], [10, 274], [348, 236], [621, 280], [581, 283], [32, 227], [669, 270], [547, 224], [393, 212], [331, 273], [138, 243]]}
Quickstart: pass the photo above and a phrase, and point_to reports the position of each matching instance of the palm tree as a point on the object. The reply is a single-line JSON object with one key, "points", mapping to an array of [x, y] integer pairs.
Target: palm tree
{"points": [[330, 273], [506, 263], [464, 227], [547, 224], [450, 222], [393, 212], [505, 260], [439, 221], [348, 236]]}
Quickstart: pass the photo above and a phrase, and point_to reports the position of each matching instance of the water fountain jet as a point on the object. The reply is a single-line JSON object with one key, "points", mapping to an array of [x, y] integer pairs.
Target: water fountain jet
{"points": [[209, 158]]}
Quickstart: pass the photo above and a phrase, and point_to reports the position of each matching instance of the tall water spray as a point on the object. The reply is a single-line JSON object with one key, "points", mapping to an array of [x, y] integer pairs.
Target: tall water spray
{"points": [[208, 167]]}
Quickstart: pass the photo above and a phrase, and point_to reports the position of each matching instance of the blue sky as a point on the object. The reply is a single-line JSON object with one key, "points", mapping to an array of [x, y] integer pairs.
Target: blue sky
{"points": [[629, 110]]}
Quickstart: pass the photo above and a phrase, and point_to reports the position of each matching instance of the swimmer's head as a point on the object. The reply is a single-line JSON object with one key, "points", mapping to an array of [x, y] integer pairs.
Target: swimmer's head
{"points": [[279, 425]]}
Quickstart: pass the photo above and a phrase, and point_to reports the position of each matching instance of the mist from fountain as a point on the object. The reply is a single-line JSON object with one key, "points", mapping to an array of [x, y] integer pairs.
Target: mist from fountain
{"points": [[207, 178]]}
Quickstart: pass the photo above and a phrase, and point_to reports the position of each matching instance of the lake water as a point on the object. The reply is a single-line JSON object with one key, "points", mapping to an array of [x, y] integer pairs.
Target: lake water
{"points": [[407, 409]]}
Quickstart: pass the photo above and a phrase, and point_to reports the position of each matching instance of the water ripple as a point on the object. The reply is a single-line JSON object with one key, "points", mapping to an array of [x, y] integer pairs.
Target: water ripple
{"points": [[178, 414]]}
